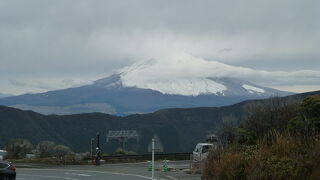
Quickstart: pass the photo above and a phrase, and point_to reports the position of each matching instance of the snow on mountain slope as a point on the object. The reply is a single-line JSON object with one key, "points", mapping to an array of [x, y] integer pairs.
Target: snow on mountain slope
{"points": [[186, 87], [253, 89], [171, 74], [177, 81], [182, 74]]}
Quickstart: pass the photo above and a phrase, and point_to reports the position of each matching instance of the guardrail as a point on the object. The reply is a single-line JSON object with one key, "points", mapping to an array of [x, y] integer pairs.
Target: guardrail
{"points": [[140, 157]]}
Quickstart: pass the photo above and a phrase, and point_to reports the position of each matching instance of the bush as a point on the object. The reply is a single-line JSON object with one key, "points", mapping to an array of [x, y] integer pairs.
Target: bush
{"points": [[45, 149], [308, 121], [278, 140], [61, 151], [120, 151], [18, 148], [265, 116], [228, 165]]}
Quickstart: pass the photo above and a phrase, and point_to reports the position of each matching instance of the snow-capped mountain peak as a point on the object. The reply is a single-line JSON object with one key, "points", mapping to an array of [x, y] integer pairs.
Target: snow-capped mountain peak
{"points": [[183, 74], [180, 74], [180, 80]]}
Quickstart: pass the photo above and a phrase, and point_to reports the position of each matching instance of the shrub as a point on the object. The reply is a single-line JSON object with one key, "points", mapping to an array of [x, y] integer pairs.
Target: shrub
{"points": [[278, 140], [61, 150], [18, 148], [45, 149], [308, 121], [265, 116], [229, 166], [120, 151]]}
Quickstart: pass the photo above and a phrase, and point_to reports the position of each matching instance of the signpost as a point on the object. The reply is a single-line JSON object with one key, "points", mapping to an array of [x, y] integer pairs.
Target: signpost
{"points": [[122, 136], [153, 141]]}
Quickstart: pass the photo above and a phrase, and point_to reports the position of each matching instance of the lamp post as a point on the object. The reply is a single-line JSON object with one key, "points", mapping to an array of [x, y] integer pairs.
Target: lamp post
{"points": [[153, 141], [91, 148], [98, 151], [98, 140]]}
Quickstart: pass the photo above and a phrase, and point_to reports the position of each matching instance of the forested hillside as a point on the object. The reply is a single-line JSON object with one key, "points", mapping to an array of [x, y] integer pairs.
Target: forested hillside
{"points": [[178, 129], [278, 139]]}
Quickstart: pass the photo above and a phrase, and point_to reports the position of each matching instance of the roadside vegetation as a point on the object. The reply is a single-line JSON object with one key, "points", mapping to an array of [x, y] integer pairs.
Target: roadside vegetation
{"points": [[279, 139], [46, 152], [120, 151]]}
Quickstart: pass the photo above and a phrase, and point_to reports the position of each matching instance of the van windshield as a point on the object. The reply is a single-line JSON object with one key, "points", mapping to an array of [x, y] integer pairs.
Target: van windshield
{"points": [[206, 148]]}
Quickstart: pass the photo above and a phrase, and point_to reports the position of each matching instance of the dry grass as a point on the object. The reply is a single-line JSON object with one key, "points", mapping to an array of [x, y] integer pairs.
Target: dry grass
{"points": [[224, 165], [278, 156]]}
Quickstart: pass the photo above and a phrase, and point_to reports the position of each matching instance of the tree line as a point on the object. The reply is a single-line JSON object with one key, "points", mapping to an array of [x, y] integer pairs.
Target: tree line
{"points": [[279, 139], [19, 148]]}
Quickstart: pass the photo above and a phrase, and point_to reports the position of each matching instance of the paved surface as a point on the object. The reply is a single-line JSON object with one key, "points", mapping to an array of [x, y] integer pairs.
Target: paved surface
{"points": [[133, 171], [68, 174]]}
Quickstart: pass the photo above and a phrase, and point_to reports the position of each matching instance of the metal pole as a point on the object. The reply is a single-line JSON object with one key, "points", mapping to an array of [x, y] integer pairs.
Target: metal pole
{"points": [[91, 149], [152, 159], [98, 153], [98, 140]]}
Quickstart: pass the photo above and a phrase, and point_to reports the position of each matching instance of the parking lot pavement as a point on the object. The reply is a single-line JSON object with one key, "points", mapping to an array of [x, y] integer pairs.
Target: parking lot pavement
{"points": [[73, 174], [126, 171]]}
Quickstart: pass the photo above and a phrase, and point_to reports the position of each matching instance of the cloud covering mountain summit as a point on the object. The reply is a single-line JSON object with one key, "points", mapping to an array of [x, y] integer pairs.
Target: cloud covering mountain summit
{"points": [[176, 81], [184, 74]]}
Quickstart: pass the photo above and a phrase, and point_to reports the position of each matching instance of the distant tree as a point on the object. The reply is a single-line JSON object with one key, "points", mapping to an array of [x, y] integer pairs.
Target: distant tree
{"points": [[310, 111], [228, 129], [18, 148], [61, 150], [308, 120], [272, 114], [45, 149]]}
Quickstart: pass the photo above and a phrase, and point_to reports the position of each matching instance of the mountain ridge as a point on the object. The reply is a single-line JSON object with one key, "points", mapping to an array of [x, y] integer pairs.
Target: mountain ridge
{"points": [[2, 95], [146, 87], [178, 128]]}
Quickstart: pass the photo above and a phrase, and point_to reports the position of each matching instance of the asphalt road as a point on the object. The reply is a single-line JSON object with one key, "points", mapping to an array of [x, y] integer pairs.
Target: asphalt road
{"points": [[69, 174], [128, 171]]}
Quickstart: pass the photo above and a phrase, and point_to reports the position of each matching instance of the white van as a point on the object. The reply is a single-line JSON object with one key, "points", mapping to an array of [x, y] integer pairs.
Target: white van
{"points": [[201, 151], [2, 154]]}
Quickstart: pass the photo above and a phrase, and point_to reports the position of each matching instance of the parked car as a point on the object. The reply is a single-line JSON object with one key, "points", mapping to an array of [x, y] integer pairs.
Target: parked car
{"points": [[201, 151], [7, 171]]}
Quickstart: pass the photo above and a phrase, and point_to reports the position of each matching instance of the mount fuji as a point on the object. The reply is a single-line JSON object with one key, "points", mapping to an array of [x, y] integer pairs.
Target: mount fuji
{"points": [[175, 81], [4, 95]]}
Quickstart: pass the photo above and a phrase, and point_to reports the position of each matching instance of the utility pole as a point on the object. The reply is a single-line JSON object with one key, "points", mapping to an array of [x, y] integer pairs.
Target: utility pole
{"points": [[98, 140], [98, 151], [91, 149], [153, 141]]}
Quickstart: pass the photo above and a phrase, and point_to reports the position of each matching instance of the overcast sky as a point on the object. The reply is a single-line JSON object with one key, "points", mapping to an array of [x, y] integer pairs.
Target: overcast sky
{"points": [[53, 44]]}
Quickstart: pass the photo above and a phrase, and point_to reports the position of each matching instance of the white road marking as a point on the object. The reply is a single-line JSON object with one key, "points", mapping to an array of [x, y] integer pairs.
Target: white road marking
{"points": [[116, 164], [52, 177], [178, 165], [172, 178], [88, 171], [76, 174]]}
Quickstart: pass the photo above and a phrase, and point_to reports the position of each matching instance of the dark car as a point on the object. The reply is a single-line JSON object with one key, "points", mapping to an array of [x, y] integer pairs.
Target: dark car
{"points": [[7, 171]]}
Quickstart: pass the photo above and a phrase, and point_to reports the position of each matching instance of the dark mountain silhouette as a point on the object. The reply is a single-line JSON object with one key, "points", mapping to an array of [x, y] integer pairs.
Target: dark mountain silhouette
{"points": [[179, 129]]}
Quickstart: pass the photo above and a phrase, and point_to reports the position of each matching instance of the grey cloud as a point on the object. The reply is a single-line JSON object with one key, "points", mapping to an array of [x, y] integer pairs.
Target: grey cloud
{"points": [[43, 85], [17, 83], [80, 38], [225, 50]]}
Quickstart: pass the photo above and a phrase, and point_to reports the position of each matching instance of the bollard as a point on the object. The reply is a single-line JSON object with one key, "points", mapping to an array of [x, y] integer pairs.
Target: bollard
{"points": [[149, 166], [165, 165]]}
